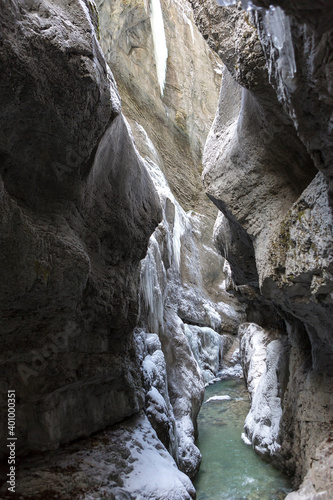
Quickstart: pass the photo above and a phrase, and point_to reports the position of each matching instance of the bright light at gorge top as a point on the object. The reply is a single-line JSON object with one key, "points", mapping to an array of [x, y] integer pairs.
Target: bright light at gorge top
{"points": [[277, 27]]}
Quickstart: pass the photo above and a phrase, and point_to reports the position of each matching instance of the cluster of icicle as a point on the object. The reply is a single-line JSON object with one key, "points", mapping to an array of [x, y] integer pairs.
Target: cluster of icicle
{"points": [[153, 274], [277, 28]]}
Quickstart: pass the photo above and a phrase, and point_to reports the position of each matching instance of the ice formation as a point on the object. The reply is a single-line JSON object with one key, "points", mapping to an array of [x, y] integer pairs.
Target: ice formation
{"points": [[277, 28], [263, 361], [207, 348], [246, 4], [177, 309], [160, 46], [153, 277]]}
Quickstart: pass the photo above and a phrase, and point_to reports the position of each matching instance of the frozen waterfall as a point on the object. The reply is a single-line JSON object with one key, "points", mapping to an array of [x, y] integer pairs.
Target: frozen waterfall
{"points": [[160, 46]]}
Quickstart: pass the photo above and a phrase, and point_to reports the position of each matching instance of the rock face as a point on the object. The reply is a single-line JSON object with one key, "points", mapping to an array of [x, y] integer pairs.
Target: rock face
{"points": [[261, 165], [68, 285], [90, 335], [177, 115]]}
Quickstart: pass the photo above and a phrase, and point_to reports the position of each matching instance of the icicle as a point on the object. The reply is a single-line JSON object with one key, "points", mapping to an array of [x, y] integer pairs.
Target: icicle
{"points": [[152, 283], [178, 230], [277, 28], [248, 6], [160, 46]]}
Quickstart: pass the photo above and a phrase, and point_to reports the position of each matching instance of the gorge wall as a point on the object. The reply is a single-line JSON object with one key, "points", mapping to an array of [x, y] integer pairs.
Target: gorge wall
{"points": [[271, 135], [115, 308], [69, 285]]}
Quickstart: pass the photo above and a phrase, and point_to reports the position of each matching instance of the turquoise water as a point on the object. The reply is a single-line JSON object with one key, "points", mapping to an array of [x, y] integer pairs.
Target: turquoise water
{"points": [[230, 469]]}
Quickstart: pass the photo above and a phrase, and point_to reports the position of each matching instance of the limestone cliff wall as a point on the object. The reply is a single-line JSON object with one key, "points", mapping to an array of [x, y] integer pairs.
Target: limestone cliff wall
{"points": [[68, 287], [178, 116], [271, 135]]}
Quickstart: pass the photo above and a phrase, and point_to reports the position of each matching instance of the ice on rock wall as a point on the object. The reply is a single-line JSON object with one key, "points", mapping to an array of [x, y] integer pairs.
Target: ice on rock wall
{"points": [[207, 348], [158, 407], [264, 362], [246, 4], [277, 28], [226, 3], [160, 46], [153, 276], [173, 292], [166, 265], [153, 285], [262, 424]]}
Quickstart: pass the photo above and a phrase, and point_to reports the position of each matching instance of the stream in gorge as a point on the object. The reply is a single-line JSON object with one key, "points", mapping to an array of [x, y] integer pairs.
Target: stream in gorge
{"points": [[230, 469]]}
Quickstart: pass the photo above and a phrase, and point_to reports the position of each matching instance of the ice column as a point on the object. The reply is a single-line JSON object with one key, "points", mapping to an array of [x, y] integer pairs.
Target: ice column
{"points": [[160, 46]]}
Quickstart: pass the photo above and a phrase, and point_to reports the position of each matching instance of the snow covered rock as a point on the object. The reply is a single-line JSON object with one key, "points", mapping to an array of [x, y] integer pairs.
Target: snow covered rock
{"points": [[157, 404], [261, 167], [207, 348], [265, 361], [126, 462]]}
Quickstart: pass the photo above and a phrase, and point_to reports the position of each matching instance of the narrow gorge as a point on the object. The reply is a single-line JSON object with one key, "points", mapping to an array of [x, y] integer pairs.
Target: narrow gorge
{"points": [[166, 223]]}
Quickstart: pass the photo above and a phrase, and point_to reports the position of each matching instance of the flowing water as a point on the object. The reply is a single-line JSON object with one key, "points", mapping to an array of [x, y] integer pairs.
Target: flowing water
{"points": [[230, 469]]}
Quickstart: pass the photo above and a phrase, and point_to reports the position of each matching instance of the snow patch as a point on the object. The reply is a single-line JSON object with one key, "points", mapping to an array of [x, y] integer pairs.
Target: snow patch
{"points": [[224, 397]]}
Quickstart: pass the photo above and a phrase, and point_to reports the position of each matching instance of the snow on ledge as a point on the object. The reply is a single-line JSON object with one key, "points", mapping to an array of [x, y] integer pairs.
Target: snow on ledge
{"points": [[219, 398]]}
